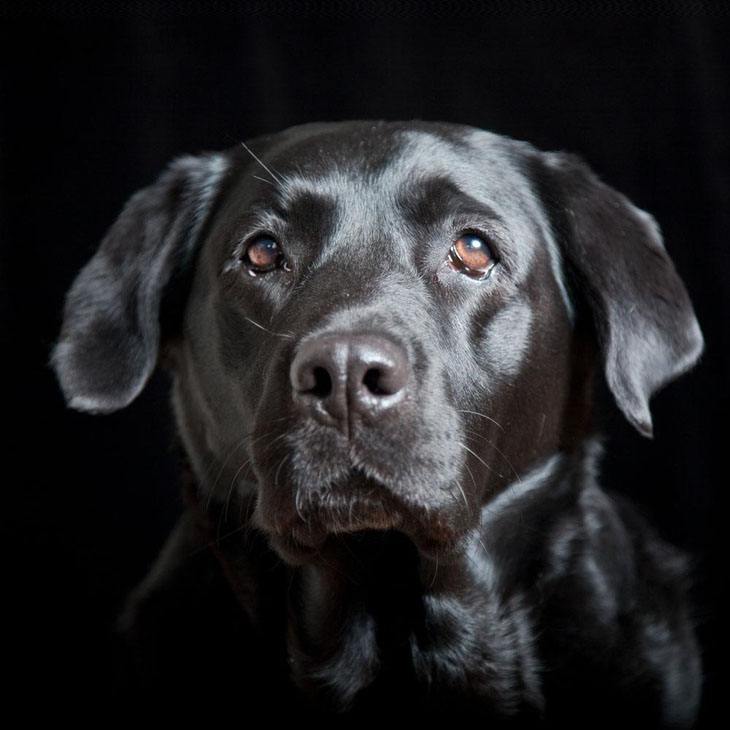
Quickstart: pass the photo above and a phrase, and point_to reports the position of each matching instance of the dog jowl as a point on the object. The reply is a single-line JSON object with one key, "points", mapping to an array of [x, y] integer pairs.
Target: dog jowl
{"points": [[384, 339]]}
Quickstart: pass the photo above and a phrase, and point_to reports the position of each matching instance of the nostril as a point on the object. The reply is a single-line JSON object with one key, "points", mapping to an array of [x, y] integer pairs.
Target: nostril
{"points": [[373, 381], [322, 383]]}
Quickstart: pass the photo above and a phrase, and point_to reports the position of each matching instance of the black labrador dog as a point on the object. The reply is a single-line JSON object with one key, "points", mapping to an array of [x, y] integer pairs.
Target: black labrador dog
{"points": [[384, 341]]}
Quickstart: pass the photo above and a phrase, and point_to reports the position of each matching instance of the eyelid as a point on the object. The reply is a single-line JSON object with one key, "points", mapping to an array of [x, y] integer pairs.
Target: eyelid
{"points": [[260, 221], [249, 238]]}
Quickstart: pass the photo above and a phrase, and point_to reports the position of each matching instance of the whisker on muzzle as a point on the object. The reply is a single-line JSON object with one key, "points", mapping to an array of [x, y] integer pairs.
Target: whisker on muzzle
{"points": [[285, 335], [479, 459], [481, 415], [475, 434]]}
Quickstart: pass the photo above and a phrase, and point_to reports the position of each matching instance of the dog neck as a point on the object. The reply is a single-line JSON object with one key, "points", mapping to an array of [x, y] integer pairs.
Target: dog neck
{"points": [[377, 608], [380, 609]]}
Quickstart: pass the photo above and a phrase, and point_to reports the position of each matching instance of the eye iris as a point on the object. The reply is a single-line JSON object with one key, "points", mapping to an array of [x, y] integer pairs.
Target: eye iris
{"points": [[473, 252], [263, 254], [471, 255]]}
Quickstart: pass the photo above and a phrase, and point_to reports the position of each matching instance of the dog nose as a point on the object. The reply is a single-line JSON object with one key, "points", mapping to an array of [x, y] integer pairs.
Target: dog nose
{"points": [[336, 375]]}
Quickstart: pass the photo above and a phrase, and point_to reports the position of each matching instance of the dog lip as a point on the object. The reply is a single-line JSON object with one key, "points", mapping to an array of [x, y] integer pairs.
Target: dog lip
{"points": [[302, 544], [369, 516], [360, 504], [351, 505]]}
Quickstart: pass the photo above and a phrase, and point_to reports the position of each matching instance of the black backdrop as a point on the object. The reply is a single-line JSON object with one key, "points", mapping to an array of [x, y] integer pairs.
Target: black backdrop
{"points": [[94, 102]]}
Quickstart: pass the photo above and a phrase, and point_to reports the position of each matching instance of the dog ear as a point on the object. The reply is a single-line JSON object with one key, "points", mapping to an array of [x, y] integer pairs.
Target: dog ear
{"points": [[646, 326], [109, 340]]}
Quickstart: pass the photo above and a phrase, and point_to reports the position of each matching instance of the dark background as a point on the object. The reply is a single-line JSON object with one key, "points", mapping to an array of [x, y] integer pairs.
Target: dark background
{"points": [[94, 104]]}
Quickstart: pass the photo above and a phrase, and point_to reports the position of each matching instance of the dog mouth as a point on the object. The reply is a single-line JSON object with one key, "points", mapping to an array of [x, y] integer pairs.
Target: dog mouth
{"points": [[318, 519], [353, 505]]}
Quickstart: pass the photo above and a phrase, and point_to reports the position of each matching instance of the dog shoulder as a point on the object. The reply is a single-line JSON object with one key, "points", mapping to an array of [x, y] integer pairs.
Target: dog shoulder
{"points": [[614, 595]]}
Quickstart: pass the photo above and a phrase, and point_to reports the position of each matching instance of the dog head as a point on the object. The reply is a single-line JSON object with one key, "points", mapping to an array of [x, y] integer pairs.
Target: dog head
{"points": [[376, 325]]}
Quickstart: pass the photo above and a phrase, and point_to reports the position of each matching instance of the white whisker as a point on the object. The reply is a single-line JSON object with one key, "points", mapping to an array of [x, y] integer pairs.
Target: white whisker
{"points": [[287, 335], [476, 434], [478, 458], [482, 415], [271, 172]]}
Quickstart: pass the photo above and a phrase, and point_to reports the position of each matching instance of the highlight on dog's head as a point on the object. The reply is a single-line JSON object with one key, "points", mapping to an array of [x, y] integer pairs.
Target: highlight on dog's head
{"points": [[383, 324]]}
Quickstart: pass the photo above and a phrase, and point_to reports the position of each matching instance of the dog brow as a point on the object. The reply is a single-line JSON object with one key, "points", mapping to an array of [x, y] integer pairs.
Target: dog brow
{"points": [[431, 200]]}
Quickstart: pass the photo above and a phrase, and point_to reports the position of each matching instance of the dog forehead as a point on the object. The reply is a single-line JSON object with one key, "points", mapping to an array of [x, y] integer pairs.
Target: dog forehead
{"points": [[369, 173], [377, 161]]}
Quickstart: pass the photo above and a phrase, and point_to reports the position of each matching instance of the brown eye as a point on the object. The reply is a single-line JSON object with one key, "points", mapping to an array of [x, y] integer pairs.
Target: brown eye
{"points": [[471, 255], [262, 255]]}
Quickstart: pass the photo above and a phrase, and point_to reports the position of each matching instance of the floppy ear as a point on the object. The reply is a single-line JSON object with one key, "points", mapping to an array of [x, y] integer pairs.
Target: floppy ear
{"points": [[647, 329], [108, 345]]}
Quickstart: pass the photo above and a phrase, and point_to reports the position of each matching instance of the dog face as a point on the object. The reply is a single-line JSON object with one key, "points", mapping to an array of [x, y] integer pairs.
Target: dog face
{"points": [[376, 325]]}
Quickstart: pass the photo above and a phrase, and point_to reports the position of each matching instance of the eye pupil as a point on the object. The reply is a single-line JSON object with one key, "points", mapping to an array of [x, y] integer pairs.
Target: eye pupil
{"points": [[471, 255]]}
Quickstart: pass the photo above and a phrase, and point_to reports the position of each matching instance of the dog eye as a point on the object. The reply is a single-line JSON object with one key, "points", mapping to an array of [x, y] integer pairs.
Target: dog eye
{"points": [[262, 255], [470, 254]]}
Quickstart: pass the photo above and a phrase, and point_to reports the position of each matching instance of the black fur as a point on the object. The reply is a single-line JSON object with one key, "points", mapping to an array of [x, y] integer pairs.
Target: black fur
{"points": [[450, 553]]}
